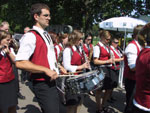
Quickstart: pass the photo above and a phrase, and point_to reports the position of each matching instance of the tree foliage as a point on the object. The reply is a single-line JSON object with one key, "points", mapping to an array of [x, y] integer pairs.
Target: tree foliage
{"points": [[81, 14]]}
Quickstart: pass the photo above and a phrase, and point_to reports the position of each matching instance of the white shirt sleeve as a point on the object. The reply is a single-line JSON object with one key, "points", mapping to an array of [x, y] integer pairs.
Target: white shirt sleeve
{"points": [[131, 53], [67, 60], [27, 47], [96, 52]]}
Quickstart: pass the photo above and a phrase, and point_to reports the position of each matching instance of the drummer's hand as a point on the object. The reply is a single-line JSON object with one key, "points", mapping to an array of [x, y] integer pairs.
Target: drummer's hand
{"points": [[85, 65], [62, 69], [52, 74]]}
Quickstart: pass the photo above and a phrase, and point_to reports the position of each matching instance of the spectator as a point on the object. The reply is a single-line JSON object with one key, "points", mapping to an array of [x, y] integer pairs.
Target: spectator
{"points": [[26, 29], [4, 26]]}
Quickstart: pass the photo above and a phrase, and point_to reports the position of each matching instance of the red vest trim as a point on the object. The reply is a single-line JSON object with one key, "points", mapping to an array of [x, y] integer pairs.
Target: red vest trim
{"points": [[127, 72], [39, 57]]}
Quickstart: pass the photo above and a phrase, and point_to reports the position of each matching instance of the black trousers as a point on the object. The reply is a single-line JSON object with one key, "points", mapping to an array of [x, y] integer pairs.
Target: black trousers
{"points": [[47, 96], [129, 87], [137, 110]]}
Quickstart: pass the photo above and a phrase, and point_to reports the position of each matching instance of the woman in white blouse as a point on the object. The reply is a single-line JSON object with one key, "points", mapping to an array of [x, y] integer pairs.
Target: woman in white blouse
{"points": [[73, 61]]}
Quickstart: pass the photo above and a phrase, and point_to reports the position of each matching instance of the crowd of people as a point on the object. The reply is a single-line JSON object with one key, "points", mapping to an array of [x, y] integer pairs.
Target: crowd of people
{"points": [[45, 56]]}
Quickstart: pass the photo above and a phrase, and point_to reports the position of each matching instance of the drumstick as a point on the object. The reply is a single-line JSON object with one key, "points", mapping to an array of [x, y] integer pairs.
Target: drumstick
{"points": [[70, 74], [66, 75], [74, 72], [84, 74]]}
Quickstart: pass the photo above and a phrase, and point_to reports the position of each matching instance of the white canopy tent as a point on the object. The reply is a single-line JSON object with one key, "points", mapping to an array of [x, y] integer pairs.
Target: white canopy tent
{"points": [[122, 24]]}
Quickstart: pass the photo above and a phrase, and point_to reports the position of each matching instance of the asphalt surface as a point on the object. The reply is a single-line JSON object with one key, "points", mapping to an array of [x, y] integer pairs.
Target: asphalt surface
{"points": [[29, 105]]}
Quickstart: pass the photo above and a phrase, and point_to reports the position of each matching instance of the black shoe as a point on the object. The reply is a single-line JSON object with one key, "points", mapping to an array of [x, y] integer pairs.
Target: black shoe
{"points": [[34, 99], [20, 96]]}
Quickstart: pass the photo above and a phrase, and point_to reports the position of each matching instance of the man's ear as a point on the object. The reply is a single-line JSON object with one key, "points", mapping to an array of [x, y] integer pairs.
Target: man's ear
{"points": [[36, 16]]}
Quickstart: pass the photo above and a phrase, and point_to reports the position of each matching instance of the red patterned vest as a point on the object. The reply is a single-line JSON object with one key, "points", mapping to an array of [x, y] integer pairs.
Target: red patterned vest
{"points": [[127, 72], [76, 58], [6, 70], [87, 50], [39, 57], [104, 55], [142, 95]]}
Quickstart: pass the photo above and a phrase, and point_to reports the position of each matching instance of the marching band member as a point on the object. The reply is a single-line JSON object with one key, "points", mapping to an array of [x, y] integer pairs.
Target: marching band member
{"points": [[62, 41], [102, 58], [58, 50], [141, 99], [118, 57], [36, 55], [131, 52], [87, 46], [73, 61], [8, 94]]}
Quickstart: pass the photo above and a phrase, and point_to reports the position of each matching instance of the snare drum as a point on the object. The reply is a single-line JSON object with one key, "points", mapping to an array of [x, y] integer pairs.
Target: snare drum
{"points": [[84, 83]]}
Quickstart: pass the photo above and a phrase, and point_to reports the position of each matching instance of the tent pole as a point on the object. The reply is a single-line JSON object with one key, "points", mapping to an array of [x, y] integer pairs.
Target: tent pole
{"points": [[120, 80], [124, 44]]}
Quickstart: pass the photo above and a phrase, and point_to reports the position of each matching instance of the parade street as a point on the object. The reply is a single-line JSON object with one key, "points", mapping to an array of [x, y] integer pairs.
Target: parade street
{"points": [[29, 105]]}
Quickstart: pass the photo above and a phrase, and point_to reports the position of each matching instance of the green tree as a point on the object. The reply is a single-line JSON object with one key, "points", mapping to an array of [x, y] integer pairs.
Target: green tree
{"points": [[81, 14]]}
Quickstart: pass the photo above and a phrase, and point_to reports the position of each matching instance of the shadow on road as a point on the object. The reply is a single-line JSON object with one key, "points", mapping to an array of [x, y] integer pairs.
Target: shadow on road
{"points": [[119, 104], [89, 104], [115, 107], [31, 109]]}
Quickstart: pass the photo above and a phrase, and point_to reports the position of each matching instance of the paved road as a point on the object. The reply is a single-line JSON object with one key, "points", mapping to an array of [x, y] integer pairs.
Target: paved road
{"points": [[29, 106]]}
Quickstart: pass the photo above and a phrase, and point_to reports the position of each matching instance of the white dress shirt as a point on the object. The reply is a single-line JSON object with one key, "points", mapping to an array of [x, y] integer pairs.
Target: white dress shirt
{"points": [[28, 44], [131, 53]]}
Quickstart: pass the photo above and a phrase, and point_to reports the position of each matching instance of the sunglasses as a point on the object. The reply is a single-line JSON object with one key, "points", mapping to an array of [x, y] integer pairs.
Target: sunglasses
{"points": [[107, 39], [116, 42], [89, 39], [46, 15]]}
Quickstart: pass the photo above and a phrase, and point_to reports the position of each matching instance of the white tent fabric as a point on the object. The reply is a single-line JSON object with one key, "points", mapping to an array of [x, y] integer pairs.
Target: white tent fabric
{"points": [[121, 24]]}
